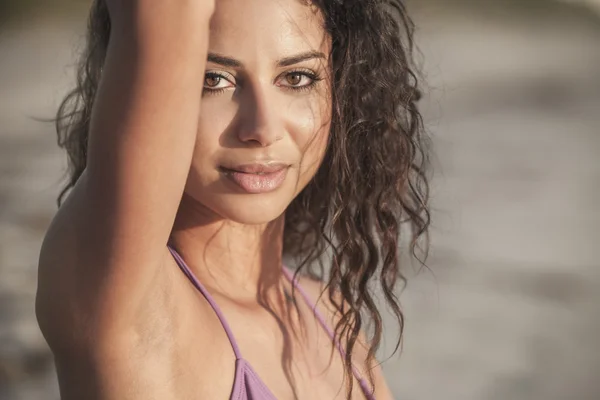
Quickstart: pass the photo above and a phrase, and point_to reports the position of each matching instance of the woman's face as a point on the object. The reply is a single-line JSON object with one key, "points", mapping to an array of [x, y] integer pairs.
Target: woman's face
{"points": [[266, 109]]}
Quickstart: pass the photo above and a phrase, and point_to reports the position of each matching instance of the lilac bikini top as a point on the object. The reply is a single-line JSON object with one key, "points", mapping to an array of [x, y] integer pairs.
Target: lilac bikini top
{"points": [[247, 384]]}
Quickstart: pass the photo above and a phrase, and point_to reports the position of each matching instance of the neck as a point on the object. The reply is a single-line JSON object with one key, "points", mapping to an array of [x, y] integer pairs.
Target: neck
{"points": [[234, 259]]}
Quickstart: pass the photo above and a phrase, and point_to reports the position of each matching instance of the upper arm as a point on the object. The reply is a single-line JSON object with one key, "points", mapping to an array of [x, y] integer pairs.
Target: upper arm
{"points": [[103, 251]]}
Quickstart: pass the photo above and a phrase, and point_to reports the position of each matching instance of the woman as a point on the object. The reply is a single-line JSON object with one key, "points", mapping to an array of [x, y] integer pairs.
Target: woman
{"points": [[207, 140]]}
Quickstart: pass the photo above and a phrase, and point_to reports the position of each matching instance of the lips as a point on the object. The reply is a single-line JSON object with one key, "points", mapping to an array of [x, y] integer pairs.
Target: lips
{"points": [[257, 178], [258, 168]]}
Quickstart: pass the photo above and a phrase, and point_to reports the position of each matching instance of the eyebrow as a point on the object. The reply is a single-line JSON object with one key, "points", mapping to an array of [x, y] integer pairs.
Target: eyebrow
{"points": [[283, 62], [224, 61], [309, 55]]}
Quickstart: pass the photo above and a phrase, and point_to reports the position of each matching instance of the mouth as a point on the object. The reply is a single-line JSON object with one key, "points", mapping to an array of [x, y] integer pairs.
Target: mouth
{"points": [[257, 178], [256, 168]]}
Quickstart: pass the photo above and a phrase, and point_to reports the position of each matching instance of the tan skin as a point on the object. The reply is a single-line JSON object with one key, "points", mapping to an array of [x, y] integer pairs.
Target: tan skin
{"points": [[122, 320]]}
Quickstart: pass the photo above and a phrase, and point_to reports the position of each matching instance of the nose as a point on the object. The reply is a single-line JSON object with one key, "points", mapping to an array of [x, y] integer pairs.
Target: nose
{"points": [[258, 116]]}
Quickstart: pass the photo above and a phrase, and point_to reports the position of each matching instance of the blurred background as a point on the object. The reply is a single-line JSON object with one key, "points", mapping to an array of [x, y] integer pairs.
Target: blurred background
{"points": [[510, 305]]}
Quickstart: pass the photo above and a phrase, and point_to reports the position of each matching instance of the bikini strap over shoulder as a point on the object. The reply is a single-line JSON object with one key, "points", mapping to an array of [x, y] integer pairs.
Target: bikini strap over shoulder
{"points": [[290, 275], [188, 272]]}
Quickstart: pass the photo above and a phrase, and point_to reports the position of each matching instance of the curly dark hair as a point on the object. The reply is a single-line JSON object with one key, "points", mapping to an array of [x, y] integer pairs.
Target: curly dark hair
{"points": [[372, 187]]}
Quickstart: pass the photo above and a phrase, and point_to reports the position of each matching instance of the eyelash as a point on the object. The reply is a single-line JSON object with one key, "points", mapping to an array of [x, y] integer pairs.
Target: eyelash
{"points": [[309, 74], [314, 79], [214, 75]]}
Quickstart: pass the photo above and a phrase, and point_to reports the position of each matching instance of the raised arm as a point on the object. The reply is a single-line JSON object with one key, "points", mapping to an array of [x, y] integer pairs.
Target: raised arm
{"points": [[102, 255]]}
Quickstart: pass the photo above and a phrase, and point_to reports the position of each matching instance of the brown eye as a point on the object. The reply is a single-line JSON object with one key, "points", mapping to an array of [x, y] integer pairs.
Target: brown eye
{"points": [[212, 81], [294, 78]]}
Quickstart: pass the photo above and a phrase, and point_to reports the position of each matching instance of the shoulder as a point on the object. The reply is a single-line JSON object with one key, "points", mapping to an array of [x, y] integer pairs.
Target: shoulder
{"points": [[318, 292]]}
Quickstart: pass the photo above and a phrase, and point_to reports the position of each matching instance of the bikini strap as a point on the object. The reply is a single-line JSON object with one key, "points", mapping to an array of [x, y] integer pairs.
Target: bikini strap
{"points": [[188, 272], [290, 275]]}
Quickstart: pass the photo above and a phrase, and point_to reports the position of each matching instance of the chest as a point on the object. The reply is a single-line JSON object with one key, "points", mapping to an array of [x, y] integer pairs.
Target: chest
{"points": [[293, 359], [187, 349], [291, 364]]}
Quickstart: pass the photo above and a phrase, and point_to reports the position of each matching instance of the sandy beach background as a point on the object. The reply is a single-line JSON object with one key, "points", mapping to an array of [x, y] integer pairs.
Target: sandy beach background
{"points": [[510, 308]]}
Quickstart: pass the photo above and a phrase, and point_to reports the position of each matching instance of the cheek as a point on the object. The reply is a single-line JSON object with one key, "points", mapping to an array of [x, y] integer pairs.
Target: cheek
{"points": [[215, 117], [311, 134], [212, 124]]}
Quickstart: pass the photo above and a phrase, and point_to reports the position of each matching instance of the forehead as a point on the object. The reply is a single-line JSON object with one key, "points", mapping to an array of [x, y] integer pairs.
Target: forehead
{"points": [[266, 28]]}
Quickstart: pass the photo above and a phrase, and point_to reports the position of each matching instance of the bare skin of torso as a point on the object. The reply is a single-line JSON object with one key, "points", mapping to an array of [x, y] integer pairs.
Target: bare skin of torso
{"points": [[182, 351]]}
